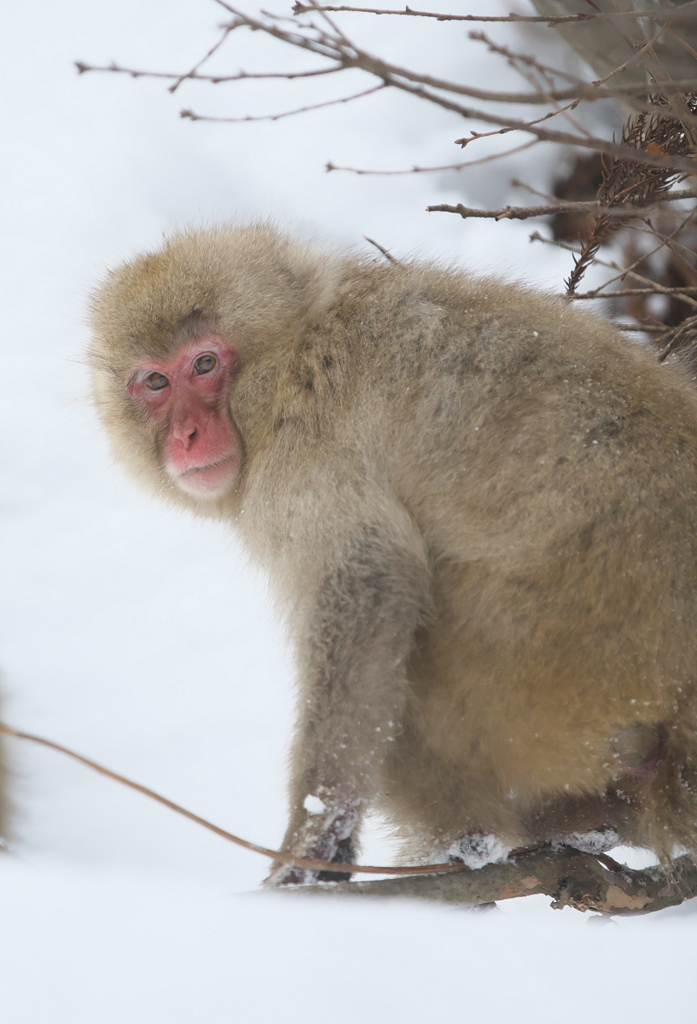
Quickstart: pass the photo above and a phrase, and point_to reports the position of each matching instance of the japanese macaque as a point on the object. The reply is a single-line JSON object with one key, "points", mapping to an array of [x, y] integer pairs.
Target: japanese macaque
{"points": [[478, 509]]}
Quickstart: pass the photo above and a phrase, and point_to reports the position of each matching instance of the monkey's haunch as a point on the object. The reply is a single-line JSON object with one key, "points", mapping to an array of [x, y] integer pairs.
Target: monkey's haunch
{"points": [[286, 858]]}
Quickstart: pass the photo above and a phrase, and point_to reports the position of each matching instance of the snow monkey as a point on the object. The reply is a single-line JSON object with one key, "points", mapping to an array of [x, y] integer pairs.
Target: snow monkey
{"points": [[477, 506]]}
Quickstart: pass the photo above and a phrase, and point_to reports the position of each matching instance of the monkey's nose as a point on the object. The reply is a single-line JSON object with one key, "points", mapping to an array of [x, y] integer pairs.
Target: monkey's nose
{"points": [[185, 433]]}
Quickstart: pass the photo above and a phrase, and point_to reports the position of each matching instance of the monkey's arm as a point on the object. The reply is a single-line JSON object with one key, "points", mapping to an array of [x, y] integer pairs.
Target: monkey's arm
{"points": [[357, 632]]}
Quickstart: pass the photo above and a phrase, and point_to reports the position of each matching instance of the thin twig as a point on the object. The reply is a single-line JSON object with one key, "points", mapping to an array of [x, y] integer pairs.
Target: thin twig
{"points": [[541, 19], [636, 328], [444, 167], [227, 29], [622, 271], [622, 293], [529, 124], [239, 76], [677, 164], [663, 86], [680, 41], [385, 252], [676, 195], [646, 48], [630, 271], [627, 212], [286, 113], [683, 252], [285, 858], [548, 197], [582, 91], [514, 57], [684, 333], [545, 83]]}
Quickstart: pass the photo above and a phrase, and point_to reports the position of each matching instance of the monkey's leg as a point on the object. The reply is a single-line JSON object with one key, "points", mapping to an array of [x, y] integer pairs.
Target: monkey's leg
{"points": [[345, 854], [355, 641]]}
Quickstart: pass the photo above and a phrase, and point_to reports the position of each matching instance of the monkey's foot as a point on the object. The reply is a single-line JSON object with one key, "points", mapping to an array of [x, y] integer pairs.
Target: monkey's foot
{"points": [[476, 850], [597, 840], [323, 836]]}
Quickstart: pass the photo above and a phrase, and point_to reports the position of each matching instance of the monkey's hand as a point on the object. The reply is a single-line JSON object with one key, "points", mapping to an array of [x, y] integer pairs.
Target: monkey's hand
{"points": [[324, 833]]}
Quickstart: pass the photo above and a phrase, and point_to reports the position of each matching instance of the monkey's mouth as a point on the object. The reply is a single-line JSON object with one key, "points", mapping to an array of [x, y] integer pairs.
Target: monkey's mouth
{"points": [[211, 480]]}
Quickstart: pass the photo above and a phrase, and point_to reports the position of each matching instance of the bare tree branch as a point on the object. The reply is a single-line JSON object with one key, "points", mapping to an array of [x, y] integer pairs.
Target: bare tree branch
{"points": [[625, 292], [286, 113], [626, 212], [195, 76], [444, 167], [662, 85], [679, 39], [637, 328], [572, 879], [684, 334], [641, 165], [622, 273], [630, 271], [385, 252], [681, 164], [624, 183], [350, 56], [583, 91], [227, 29], [683, 252], [662, 12]]}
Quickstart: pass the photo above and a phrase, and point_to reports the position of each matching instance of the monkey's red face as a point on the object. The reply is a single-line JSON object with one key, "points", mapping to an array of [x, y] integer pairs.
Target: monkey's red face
{"points": [[187, 397]]}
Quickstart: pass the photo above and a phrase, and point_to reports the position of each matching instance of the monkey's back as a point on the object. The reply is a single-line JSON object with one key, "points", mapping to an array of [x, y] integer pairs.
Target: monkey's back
{"points": [[551, 466]]}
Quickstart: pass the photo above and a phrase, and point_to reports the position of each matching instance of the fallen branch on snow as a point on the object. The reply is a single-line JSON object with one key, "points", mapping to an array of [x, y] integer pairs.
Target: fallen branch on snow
{"points": [[573, 879]]}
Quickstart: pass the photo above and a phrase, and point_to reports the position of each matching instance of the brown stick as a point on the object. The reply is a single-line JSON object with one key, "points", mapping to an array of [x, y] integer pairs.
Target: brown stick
{"points": [[622, 293], [381, 248], [408, 12], [581, 91], [623, 272], [286, 858], [572, 879], [625, 212], [442, 167], [285, 113]]}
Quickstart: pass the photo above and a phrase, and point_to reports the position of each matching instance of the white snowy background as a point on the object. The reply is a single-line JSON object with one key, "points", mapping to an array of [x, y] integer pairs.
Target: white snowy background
{"points": [[144, 640]]}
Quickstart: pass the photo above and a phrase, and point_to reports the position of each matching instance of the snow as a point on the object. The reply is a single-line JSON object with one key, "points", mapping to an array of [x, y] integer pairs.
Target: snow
{"points": [[87, 945], [313, 804], [476, 851], [144, 640]]}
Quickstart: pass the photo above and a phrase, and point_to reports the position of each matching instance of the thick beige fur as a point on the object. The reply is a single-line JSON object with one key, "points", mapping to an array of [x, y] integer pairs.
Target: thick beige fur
{"points": [[478, 506]]}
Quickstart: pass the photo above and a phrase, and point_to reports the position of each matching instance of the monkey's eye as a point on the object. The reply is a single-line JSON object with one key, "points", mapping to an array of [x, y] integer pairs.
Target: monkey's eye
{"points": [[205, 363], [156, 381]]}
